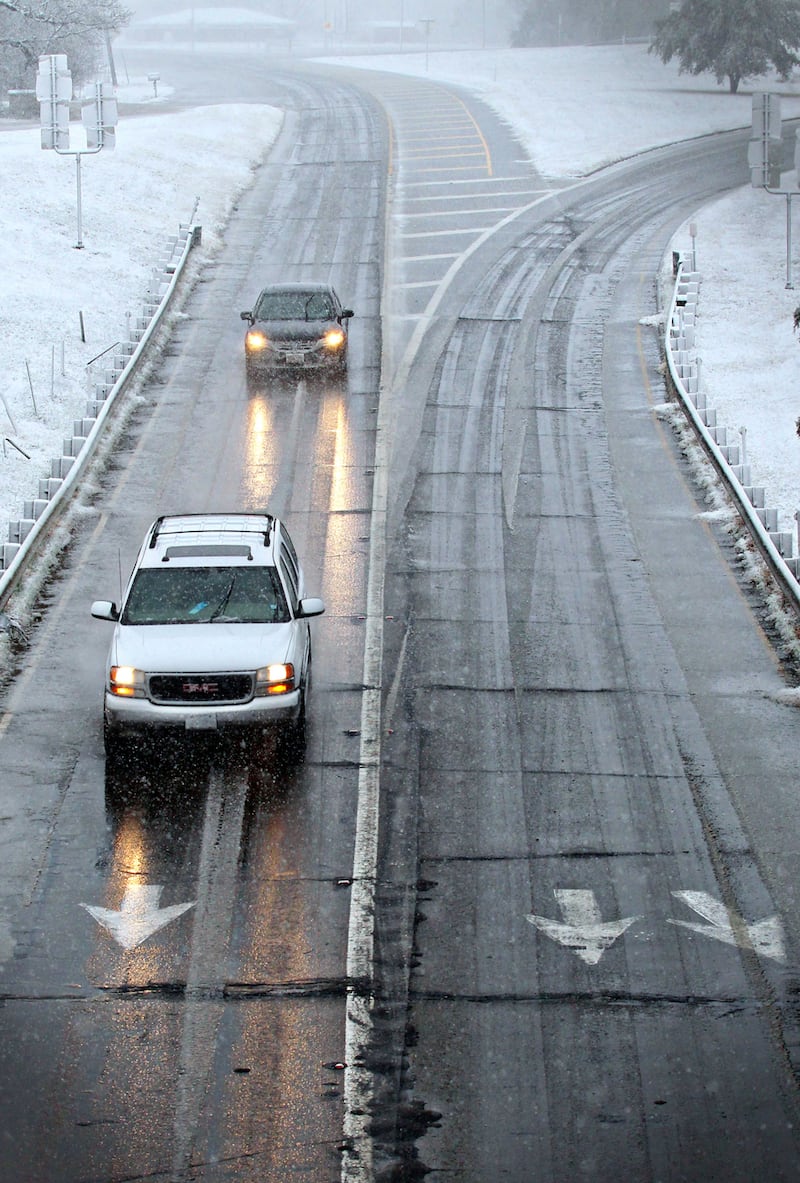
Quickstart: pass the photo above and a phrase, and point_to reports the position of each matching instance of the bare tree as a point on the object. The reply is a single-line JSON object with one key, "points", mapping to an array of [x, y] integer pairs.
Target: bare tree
{"points": [[78, 28]]}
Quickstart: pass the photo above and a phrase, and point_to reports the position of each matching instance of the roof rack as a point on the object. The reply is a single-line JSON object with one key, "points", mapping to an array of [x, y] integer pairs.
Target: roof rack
{"points": [[155, 531], [159, 524], [208, 550]]}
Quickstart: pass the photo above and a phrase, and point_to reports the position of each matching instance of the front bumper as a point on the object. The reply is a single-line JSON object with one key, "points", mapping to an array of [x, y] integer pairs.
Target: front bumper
{"points": [[139, 714], [295, 359]]}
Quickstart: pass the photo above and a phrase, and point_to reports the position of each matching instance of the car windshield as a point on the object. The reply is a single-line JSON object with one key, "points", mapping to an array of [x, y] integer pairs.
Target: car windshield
{"points": [[206, 595], [294, 306]]}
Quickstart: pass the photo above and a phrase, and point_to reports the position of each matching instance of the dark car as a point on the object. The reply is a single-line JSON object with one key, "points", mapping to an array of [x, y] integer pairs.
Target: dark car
{"points": [[297, 326]]}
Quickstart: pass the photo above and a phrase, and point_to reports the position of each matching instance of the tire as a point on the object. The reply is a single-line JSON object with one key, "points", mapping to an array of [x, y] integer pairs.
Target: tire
{"points": [[295, 736], [119, 747], [118, 751]]}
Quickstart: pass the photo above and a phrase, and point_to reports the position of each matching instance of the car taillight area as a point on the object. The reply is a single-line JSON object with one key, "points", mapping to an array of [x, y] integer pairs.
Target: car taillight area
{"points": [[198, 689]]}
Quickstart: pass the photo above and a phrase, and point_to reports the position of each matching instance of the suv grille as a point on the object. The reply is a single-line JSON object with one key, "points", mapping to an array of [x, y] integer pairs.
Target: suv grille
{"points": [[187, 689]]}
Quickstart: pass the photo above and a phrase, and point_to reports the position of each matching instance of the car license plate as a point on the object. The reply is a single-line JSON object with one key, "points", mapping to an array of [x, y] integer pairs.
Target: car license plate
{"points": [[201, 722], [295, 358]]}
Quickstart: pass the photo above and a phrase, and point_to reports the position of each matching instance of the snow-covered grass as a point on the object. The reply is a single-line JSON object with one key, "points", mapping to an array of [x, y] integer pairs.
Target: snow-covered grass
{"points": [[63, 306]]}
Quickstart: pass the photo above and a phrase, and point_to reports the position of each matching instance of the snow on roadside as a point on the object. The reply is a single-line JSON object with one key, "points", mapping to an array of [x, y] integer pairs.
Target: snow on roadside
{"points": [[134, 198]]}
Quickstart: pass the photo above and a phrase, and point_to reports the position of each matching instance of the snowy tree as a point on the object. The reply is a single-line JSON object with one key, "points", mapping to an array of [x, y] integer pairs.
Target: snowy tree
{"points": [[78, 28], [733, 39]]}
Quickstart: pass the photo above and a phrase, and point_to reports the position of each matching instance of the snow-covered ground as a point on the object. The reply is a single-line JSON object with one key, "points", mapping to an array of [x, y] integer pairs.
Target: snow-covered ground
{"points": [[575, 110], [133, 198]]}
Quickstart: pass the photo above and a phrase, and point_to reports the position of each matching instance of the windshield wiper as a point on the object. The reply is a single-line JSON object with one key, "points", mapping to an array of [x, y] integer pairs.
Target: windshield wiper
{"points": [[221, 606]]}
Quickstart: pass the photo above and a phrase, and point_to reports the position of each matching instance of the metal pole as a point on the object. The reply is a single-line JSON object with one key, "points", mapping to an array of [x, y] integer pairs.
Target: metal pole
{"points": [[79, 243], [789, 283], [427, 22], [693, 235]]}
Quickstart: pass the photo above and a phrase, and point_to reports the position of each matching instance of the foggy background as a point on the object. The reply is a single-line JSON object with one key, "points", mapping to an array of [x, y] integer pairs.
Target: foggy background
{"points": [[454, 22]]}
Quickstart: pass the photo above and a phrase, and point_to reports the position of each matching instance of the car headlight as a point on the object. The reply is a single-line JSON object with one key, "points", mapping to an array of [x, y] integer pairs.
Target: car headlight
{"points": [[333, 339], [275, 679], [255, 339], [126, 682]]}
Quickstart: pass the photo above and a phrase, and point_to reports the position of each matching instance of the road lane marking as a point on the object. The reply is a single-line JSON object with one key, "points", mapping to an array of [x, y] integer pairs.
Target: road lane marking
{"points": [[356, 1164], [139, 915], [583, 930], [764, 937]]}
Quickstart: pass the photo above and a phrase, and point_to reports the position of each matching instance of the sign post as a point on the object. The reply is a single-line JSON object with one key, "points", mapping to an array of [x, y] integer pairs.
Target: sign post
{"points": [[99, 117], [765, 157]]}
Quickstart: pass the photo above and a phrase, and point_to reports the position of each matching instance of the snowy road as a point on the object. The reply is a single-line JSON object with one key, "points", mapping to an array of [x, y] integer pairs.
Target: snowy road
{"points": [[584, 897]]}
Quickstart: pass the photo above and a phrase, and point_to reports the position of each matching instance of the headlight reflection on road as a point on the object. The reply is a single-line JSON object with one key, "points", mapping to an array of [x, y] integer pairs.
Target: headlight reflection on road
{"points": [[129, 851], [345, 528], [261, 452], [342, 474], [280, 1042]]}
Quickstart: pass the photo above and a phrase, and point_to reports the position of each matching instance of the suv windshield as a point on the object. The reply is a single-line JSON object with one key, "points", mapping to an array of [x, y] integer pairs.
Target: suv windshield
{"points": [[206, 595], [294, 306]]}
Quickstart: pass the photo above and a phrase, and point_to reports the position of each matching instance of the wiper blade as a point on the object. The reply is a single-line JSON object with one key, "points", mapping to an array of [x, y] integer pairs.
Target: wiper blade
{"points": [[221, 606]]}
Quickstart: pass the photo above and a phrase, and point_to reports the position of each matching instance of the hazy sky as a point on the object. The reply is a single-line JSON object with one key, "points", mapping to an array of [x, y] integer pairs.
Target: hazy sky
{"points": [[466, 21]]}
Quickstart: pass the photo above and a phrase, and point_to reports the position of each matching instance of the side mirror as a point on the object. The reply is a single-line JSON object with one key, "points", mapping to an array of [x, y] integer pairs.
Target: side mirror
{"points": [[347, 313], [310, 607], [246, 316], [105, 610]]}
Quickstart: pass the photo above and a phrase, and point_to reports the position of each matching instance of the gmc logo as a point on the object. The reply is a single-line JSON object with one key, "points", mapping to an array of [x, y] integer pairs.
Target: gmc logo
{"points": [[200, 687]]}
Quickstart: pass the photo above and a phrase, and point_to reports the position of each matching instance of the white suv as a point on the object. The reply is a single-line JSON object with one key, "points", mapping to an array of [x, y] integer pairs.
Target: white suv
{"points": [[212, 631]]}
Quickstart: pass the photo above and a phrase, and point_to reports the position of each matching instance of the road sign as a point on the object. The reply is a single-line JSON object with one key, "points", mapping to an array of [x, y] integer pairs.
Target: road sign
{"points": [[99, 117], [765, 148], [54, 92]]}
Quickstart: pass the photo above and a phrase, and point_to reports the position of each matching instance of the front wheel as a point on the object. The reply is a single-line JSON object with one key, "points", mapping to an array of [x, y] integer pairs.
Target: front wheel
{"points": [[295, 736]]}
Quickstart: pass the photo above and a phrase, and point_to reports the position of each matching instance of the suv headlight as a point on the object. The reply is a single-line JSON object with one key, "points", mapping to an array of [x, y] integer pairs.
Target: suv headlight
{"points": [[126, 682], [256, 340], [274, 679], [333, 339]]}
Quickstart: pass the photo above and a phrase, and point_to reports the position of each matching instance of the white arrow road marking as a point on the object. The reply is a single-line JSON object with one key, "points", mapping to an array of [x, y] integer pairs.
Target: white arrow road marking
{"points": [[583, 929], [765, 937], [139, 915]]}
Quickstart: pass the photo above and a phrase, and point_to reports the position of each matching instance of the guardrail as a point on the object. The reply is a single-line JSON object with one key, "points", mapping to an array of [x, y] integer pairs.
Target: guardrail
{"points": [[775, 546], [66, 470]]}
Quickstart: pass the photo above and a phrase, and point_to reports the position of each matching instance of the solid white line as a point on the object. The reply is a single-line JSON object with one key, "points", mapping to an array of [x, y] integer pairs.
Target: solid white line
{"points": [[457, 213], [424, 283], [427, 258], [446, 233], [357, 1086], [401, 188], [466, 196]]}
